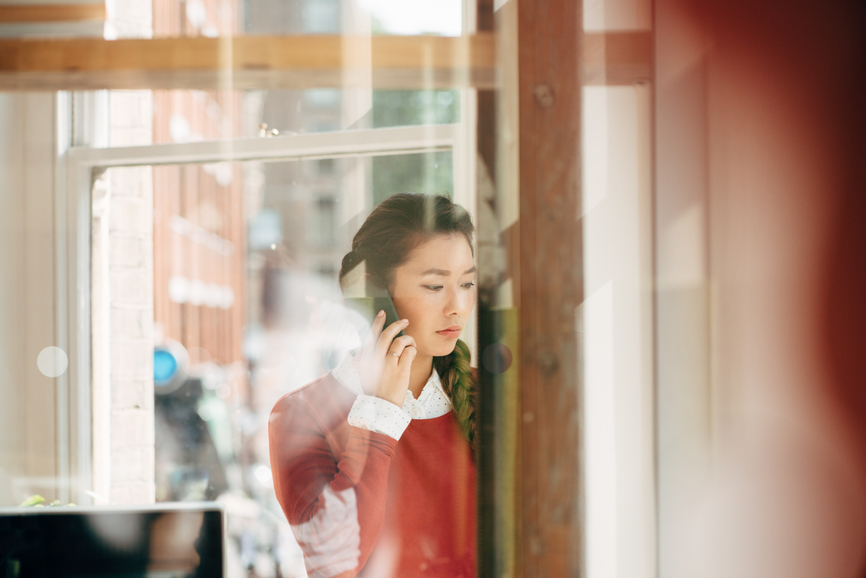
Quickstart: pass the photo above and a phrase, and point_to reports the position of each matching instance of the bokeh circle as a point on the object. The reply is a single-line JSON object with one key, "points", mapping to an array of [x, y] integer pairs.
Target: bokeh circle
{"points": [[496, 358], [52, 361]]}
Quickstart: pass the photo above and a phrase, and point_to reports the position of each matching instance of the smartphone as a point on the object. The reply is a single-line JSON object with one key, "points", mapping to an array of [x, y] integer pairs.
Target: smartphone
{"points": [[363, 296]]}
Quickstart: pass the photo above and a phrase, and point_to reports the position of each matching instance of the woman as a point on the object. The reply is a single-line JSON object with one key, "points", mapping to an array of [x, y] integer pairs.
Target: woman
{"points": [[372, 462]]}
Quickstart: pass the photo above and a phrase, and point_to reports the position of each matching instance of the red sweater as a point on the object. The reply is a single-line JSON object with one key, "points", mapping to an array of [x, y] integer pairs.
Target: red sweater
{"points": [[362, 503]]}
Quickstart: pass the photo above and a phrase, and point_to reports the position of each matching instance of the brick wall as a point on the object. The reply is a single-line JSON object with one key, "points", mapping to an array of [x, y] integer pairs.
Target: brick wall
{"points": [[130, 273], [130, 260], [122, 292], [122, 307]]}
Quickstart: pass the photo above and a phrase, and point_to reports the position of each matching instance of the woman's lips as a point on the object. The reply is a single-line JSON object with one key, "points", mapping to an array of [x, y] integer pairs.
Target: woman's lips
{"points": [[452, 332]]}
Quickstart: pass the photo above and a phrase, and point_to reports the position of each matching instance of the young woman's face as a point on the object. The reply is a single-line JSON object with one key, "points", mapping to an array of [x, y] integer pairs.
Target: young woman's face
{"points": [[435, 290]]}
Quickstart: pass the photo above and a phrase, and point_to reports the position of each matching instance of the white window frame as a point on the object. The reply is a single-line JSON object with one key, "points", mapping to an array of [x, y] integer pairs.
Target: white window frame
{"points": [[77, 169]]}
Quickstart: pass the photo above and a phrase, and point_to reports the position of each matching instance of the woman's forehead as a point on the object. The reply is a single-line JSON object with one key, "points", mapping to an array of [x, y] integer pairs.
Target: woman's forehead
{"points": [[443, 254]]}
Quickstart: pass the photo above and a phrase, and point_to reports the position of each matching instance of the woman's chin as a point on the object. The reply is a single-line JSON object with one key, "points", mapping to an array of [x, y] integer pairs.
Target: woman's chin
{"points": [[443, 349]]}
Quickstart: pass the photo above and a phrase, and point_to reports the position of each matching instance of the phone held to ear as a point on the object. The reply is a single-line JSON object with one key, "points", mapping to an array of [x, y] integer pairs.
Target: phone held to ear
{"points": [[363, 296]]}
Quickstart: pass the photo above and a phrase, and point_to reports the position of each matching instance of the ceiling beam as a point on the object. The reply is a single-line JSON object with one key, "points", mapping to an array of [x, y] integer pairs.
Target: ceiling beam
{"points": [[247, 62], [617, 58], [292, 62], [20, 13]]}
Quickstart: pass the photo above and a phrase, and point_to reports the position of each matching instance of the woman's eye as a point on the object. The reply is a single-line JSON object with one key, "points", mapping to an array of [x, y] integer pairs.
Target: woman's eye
{"points": [[469, 285], [433, 287]]}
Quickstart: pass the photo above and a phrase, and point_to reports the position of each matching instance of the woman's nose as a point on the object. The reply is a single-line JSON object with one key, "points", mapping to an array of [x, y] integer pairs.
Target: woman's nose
{"points": [[457, 301]]}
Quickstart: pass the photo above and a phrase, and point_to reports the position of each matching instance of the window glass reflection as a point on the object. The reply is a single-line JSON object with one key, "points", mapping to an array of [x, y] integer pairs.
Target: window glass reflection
{"points": [[373, 463], [247, 307], [182, 116]]}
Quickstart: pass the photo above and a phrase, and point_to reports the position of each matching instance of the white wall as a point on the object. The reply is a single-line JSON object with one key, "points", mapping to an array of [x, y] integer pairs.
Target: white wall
{"points": [[684, 291], [617, 324], [43, 420], [28, 403]]}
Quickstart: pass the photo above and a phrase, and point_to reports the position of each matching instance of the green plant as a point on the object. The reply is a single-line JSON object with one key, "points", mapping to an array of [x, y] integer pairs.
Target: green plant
{"points": [[37, 501]]}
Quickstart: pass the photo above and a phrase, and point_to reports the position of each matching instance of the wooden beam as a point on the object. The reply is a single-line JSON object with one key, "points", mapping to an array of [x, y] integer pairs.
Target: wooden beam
{"points": [[250, 62], [551, 285], [245, 62], [19, 13], [617, 58]]}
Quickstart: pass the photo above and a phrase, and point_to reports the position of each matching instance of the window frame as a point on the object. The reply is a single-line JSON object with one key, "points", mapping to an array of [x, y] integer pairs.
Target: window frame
{"points": [[79, 167]]}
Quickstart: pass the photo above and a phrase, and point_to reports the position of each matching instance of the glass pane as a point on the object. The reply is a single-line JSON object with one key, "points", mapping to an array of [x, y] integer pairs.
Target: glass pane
{"points": [[214, 18], [245, 307], [144, 117], [154, 317], [425, 17], [181, 116]]}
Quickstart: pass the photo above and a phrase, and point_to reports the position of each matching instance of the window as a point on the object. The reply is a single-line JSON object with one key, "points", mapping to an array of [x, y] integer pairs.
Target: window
{"points": [[228, 272], [174, 243]]}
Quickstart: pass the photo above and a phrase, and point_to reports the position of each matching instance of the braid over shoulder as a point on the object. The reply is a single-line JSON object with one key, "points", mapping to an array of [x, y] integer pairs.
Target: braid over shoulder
{"points": [[459, 382]]}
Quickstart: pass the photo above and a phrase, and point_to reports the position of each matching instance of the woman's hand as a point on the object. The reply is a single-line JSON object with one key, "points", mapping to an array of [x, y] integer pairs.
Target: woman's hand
{"points": [[384, 362]]}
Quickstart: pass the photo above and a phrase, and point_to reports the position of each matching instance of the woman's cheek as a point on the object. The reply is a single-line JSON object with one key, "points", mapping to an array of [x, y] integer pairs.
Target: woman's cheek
{"points": [[415, 312]]}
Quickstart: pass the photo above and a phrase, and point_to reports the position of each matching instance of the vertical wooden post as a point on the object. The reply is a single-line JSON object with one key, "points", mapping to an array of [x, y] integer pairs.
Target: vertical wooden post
{"points": [[530, 283], [494, 510], [551, 286]]}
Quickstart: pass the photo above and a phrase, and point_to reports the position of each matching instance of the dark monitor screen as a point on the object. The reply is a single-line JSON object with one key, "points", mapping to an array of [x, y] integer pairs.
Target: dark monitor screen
{"points": [[158, 542]]}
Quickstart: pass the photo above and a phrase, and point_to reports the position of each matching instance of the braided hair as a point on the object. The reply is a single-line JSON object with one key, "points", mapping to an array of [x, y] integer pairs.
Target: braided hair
{"points": [[393, 230], [459, 383]]}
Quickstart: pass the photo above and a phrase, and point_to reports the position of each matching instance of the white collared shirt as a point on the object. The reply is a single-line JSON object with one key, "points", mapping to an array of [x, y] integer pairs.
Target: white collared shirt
{"points": [[375, 414]]}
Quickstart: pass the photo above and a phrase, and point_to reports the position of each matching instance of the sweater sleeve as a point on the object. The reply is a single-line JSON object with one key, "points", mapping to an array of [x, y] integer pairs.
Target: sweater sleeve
{"points": [[335, 508]]}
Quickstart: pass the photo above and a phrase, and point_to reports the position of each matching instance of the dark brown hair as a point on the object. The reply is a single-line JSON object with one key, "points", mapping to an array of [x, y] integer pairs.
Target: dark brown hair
{"points": [[393, 230]]}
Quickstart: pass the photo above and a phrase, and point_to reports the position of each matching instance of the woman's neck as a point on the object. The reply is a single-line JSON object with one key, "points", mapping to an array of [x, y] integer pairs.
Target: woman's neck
{"points": [[422, 367]]}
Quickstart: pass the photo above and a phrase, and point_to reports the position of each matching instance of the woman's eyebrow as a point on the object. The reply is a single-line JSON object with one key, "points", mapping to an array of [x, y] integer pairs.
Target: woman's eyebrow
{"points": [[445, 273]]}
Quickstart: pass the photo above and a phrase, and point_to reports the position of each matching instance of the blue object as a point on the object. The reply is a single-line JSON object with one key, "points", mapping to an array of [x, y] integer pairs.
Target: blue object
{"points": [[165, 367]]}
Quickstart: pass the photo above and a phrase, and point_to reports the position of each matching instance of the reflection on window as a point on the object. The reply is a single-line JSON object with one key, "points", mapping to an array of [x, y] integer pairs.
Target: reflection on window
{"points": [[213, 287], [412, 107], [198, 309], [321, 16], [246, 309], [441, 17], [422, 173], [322, 232], [181, 116]]}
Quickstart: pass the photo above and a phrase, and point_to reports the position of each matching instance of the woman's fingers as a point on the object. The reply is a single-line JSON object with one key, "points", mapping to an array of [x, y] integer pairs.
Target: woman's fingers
{"points": [[375, 331], [395, 380], [406, 359], [385, 360], [399, 344], [388, 335]]}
